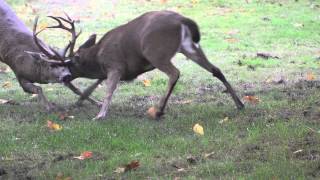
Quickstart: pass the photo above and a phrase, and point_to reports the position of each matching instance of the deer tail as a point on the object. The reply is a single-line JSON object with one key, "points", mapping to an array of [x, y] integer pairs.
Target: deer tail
{"points": [[193, 27]]}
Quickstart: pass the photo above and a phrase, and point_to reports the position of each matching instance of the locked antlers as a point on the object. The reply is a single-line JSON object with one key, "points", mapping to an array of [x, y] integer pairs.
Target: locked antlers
{"points": [[52, 54]]}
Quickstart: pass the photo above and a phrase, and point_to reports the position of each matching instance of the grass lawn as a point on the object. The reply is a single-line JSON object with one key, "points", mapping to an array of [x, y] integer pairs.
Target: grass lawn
{"points": [[277, 137]]}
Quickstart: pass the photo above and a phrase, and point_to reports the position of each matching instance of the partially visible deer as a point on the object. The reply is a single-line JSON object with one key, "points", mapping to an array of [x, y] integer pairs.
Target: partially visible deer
{"points": [[143, 44], [20, 50]]}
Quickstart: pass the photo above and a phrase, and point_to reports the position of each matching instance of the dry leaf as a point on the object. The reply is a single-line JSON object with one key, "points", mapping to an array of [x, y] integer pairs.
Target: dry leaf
{"points": [[120, 170], [251, 99], [224, 120], [163, 1], [194, 1], [208, 155], [4, 69], [152, 112], [53, 126], [233, 32], [198, 129], [84, 155], [4, 101], [64, 116], [7, 84], [11, 102], [231, 40], [266, 55], [146, 82], [179, 169], [310, 76], [133, 165]]}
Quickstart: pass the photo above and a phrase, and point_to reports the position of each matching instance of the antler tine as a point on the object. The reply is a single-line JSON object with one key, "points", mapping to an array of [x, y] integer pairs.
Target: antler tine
{"points": [[72, 30], [36, 40]]}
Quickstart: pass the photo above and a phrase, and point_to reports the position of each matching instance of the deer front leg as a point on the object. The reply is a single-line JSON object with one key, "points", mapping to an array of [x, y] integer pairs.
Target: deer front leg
{"points": [[84, 95], [111, 82], [87, 92], [31, 88]]}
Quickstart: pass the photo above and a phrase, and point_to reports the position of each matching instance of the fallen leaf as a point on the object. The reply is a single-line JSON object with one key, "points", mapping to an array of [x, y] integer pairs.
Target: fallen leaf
{"points": [[7, 84], [4, 101], [298, 25], [152, 112], [179, 169], [198, 129], [133, 165], [64, 116], [266, 55], [194, 1], [120, 170], [233, 32], [251, 99], [4, 69], [60, 176], [208, 155], [53, 126], [84, 155], [163, 1], [231, 40], [224, 120], [147, 83], [310, 76]]}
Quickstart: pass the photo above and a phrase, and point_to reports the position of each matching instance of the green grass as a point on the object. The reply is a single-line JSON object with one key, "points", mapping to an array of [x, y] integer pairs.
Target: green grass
{"points": [[278, 138]]}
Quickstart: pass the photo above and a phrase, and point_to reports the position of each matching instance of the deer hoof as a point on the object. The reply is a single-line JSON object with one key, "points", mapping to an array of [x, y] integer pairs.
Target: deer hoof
{"points": [[154, 113], [99, 117]]}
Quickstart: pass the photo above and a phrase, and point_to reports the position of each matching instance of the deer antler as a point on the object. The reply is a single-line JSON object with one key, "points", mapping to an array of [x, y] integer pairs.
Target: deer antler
{"points": [[70, 29], [44, 50]]}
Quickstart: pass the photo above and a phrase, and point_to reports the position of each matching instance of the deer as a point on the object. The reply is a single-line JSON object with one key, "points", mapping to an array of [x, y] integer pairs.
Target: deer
{"points": [[21, 50], [145, 43]]}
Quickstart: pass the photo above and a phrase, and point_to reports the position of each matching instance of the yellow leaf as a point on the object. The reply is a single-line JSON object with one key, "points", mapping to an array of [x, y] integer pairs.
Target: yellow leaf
{"points": [[53, 126], [198, 129], [224, 120], [7, 84], [146, 82], [310, 76], [194, 1]]}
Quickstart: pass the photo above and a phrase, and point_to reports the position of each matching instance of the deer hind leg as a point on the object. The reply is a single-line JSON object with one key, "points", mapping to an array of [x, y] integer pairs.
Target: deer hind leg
{"points": [[31, 88], [111, 82], [194, 52], [173, 74]]}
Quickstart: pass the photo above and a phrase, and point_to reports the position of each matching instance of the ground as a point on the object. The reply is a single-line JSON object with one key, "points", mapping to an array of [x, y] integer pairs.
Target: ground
{"points": [[268, 50]]}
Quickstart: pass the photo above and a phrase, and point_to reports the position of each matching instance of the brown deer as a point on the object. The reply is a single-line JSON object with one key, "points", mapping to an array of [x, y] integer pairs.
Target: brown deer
{"points": [[143, 44], [20, 50]]}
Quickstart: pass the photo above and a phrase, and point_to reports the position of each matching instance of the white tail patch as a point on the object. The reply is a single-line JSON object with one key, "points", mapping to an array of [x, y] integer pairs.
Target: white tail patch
{"points": [[186, 41]]}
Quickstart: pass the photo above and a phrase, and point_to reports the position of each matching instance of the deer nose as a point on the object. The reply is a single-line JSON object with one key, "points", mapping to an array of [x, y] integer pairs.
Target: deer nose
{"points": [[67, 78]]}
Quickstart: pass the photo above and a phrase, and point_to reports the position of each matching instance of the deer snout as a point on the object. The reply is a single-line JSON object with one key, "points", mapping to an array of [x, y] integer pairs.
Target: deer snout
{"points": [[65, 76]]}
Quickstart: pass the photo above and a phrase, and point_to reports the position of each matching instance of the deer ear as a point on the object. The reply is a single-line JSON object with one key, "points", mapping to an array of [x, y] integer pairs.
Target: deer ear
{"points": [[90, 42]]}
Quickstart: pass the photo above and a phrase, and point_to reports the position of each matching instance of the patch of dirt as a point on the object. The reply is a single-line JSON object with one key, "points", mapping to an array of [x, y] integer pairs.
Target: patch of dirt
{"points": [[252, 152], [306, 148], [22, 167]]}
